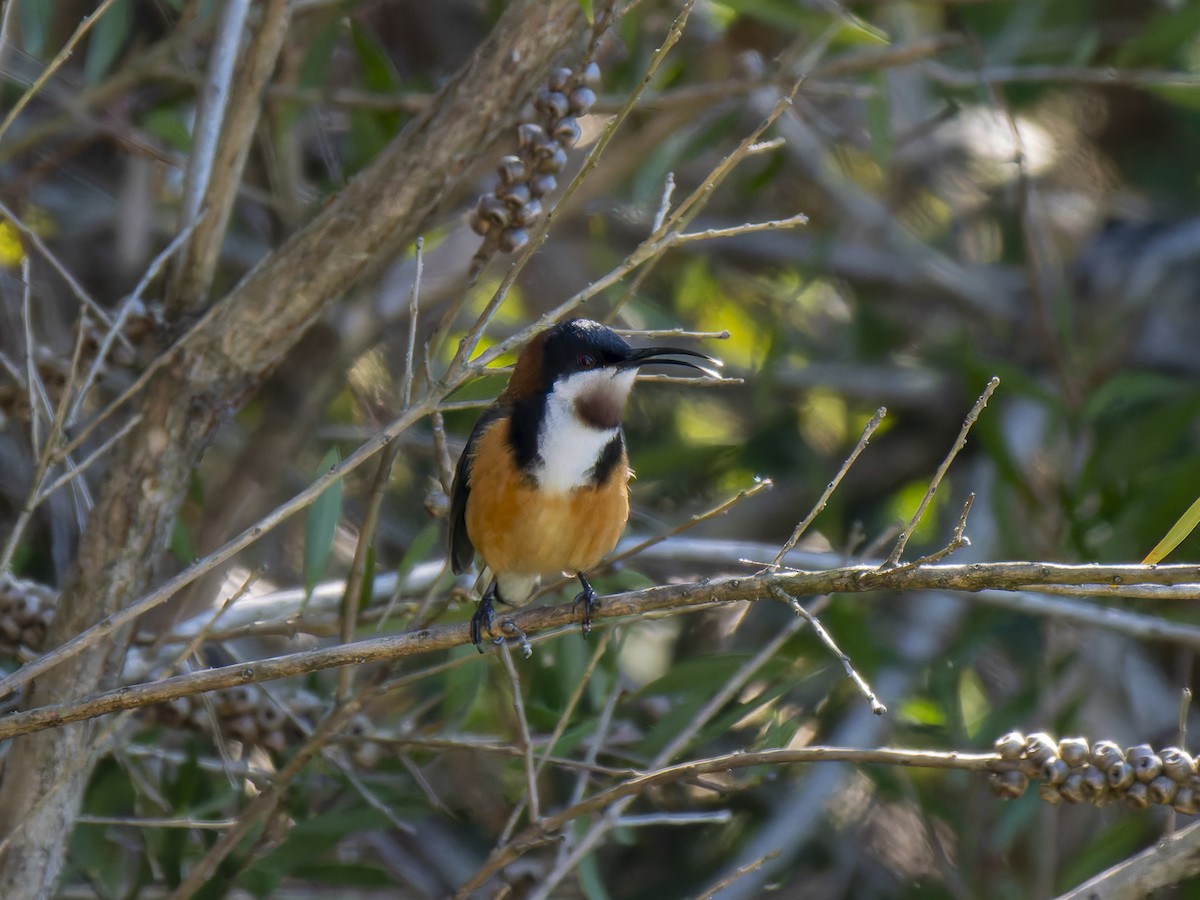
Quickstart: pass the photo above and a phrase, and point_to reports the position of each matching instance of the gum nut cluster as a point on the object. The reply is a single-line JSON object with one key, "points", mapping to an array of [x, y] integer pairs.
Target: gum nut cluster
{"points": [[1073, 771], [248, 715], [25, 612], [503, 216]]}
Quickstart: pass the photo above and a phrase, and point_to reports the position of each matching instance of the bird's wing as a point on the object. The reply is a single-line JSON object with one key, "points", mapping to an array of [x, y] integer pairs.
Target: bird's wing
{"points": [[462, 551]]}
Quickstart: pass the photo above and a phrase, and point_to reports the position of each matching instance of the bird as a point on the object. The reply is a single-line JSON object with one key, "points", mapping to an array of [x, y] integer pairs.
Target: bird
{"points": [[542, 486]]}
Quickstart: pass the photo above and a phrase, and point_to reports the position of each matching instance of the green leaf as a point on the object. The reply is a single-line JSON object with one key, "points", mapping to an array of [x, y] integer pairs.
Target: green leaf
{"points": [[586, 6], [1185, 525], [108, 38], [1168, 33], [166, 122], [35, 25], [321, 526], [366, 588], [378, 73]]}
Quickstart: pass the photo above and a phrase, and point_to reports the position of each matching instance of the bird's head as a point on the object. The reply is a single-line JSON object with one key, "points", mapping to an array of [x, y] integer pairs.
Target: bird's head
{"points": [[590, 367]]}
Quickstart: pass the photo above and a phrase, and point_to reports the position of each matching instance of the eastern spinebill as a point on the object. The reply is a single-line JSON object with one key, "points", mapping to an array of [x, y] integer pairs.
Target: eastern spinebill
{"points": [[542, 486]]}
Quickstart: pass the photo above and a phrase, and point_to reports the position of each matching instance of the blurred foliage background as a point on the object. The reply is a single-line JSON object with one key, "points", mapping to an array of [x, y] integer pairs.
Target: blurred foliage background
{"points": [[992, 188]]}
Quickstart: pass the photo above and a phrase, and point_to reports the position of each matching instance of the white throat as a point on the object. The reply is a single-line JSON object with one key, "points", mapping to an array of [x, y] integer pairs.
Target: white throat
{"points": [[568, 446]]}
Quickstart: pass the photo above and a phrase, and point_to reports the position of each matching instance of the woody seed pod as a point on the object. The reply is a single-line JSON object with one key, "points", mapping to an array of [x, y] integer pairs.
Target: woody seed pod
{"points": [[492, 210], [513, 240], [243, 728], [529, 135], [1137, 796], [269, 716], [1162, 789], [240, 699], [528, 213], [559, 79], [590, 75], [479, 224], [1072, 788], [1177, 763], [552, 104], [511, 169], [275, 741], [513, 194], [540, 185], [1095, 785], [1185, 802], [1146, 763], [33, 635], [1055, 771], [1040, 747], [553, 161], [10, 631], [1010, 784], [1048, 793], [1106, 754], [24, 609], [581, 100], [566, 132], [1074, 751], [1011, 745], [1120, 776]]}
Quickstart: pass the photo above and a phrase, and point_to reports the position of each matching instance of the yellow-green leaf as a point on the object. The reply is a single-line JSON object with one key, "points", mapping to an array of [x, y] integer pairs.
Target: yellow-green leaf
{"points": [[1181, 529]]}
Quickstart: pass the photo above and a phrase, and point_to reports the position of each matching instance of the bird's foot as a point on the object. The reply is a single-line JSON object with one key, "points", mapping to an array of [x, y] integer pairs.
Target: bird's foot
{"points": [[590, 602], [510, 628], [484, 619]]}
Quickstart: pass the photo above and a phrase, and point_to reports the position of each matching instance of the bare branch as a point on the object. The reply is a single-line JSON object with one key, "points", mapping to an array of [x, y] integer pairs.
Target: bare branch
{"points": [[960, 442]]}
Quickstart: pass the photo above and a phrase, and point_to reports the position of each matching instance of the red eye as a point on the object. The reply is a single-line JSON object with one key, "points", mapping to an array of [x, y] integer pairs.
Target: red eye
{"points": [[586, 361]]}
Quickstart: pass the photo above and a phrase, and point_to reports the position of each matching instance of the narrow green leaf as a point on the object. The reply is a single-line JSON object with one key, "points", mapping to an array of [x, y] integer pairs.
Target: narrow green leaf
{"points": [[1181, 529], [321, 526], [586, 6], [107, 40], [34, 16], [366, 589]]}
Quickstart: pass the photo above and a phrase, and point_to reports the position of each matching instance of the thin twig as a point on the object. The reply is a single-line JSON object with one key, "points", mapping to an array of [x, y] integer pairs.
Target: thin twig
{"points": [[413, 304], [55, 263], [105, 627], [737, 874], [131, 302], [960, 442], [802, 526], [827, 639], [674, 747], [214, 98], [44, 459], [971, 762], [710, 234], [957, 541], [85, 25], [78, 469], [32, 377], [470, 340], [664, 204], [525, 742]]}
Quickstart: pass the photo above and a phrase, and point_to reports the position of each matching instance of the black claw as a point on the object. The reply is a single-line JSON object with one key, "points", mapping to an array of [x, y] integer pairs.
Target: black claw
{"points": [[484, 618], [589, 600]]}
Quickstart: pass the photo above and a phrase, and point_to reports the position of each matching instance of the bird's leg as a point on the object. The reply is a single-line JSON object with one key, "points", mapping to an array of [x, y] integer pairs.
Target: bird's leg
{"points": [[589, 600], [485, 617]]}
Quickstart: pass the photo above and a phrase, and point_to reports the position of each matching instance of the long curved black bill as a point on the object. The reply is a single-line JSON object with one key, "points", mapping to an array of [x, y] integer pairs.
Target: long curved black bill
{"points": [[662, 356]]}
